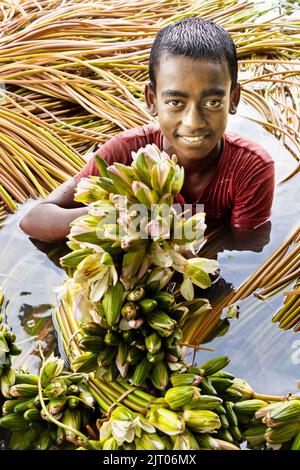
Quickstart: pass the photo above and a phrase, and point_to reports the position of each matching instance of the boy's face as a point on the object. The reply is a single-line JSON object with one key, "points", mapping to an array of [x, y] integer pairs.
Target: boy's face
{"points": [[192, 101]]}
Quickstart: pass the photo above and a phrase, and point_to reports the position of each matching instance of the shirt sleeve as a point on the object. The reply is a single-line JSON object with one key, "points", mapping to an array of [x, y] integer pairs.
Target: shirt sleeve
{"points": [[253, 203], [90, 169], [114, 150]]}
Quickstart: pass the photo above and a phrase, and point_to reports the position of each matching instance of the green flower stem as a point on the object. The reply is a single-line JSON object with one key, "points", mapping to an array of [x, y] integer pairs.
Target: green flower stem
{"points": [[103, 401], [120, 388], [53, 420], [113, 390], [261, 396]]}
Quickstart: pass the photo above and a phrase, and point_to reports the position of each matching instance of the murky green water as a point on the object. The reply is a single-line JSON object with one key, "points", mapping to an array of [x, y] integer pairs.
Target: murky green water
{"points": [[259, 351]]}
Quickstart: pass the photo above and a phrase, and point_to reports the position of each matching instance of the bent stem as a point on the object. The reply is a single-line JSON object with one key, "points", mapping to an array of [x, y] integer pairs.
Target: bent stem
{"points": [[49, 416]]}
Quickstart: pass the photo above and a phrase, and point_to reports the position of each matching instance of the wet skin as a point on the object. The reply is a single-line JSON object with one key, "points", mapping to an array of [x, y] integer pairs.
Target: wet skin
{"points": [[192, 101]]}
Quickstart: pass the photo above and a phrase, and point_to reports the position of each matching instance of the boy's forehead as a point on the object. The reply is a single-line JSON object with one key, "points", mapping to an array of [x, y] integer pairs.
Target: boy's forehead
{"points": [[179, 69]]}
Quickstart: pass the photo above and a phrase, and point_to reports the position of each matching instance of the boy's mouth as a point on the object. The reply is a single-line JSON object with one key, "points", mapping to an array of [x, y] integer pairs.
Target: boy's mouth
{"points": [[193, 139]]}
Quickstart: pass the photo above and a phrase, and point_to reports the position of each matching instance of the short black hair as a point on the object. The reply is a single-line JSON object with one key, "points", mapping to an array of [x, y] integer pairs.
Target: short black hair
{"points": [[196, 38]]}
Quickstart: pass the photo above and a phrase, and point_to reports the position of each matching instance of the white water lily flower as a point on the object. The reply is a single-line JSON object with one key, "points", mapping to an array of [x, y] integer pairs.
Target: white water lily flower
{"points": [[105, 431], [69, 289], [122, 431], [88, 190], [83, 224], [125, 173], [61, 291], [96, 248], [112, 232], [126, 325], [144, 194], [153, 156], [161, 275], [197, 269], [158, 229], [99, 287], [161, 176], [208, 265], [122, 177], [143, 423], [131, 240], [195, 246], [84, 309], [178, 258], [121, 425], [96, 271], [126, 424], [126, 431], [144, 160], [186, 231], [161, 254], [177, 180], [187, 289], [102, 208], [90, 269]]}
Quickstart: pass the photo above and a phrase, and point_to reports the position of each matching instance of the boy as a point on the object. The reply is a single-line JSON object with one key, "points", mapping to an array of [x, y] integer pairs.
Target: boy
{"points": [[192, 89]]}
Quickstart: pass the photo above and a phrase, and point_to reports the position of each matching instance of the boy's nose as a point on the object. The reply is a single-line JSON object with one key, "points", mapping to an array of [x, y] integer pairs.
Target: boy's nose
{"points": [[193, 119]]}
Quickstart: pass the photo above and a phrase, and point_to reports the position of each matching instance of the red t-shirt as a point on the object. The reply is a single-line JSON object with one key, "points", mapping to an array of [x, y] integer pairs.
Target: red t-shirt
{"points": [[241, 188]]}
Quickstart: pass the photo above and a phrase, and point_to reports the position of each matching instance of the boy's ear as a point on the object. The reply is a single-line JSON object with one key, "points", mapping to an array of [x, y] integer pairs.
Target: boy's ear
{"points": [[235, 99], [150, 99]]}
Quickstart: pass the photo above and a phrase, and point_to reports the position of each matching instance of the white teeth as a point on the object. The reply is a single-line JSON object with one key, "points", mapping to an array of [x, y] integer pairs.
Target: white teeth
{"points": [[193, 139]]}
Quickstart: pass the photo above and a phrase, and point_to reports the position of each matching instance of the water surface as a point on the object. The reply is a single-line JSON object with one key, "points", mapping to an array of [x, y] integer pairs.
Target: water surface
{"points": [[259, 351]]}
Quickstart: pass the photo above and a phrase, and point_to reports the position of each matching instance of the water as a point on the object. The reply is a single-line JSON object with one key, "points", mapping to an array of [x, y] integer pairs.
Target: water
{"points": [[259, 351], [27, 277]]}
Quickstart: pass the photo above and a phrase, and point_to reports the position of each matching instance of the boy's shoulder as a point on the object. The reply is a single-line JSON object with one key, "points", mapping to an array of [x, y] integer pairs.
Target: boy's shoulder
{"points": [[246, 148], [148, 133], [120, 147]]}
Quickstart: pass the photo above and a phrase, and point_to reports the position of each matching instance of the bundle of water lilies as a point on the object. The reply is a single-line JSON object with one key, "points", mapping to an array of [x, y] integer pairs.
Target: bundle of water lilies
{"points": [[124, 254], [120, 324], [217, 412], [8, 348], [56, 406], [189, 414], [212, 411], [46, 410], [201, 408], [274, 425], [31, 404]]}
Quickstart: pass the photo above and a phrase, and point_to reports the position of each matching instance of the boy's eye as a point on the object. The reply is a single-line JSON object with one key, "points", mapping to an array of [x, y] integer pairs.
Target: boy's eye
{"points": [[214, 104], [174, 103]]}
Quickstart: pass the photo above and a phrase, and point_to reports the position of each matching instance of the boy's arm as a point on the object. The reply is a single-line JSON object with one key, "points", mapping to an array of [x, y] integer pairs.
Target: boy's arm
{"points": [[50, 219], [253, 203]]}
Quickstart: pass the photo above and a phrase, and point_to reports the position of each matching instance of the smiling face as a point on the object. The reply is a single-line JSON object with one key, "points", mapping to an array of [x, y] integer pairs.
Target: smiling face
{"points": [[192, 100]]}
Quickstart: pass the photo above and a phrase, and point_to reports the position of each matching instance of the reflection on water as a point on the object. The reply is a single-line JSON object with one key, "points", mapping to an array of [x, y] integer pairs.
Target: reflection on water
{"points": [[27, 277], [259, 351]]}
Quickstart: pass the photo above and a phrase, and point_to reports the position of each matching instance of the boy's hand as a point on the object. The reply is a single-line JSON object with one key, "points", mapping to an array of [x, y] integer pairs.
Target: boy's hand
{"points": [[50, 219]]}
